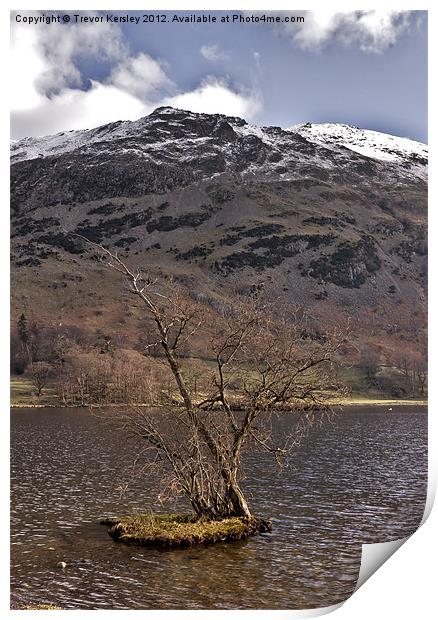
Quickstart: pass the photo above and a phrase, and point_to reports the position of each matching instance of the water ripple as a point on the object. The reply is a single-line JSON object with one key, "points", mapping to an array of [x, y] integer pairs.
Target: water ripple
{"points": [[362, 480]]}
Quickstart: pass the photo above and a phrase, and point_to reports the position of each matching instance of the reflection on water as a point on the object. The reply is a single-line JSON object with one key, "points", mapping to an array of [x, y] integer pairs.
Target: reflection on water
{"points": [[361, 480]]}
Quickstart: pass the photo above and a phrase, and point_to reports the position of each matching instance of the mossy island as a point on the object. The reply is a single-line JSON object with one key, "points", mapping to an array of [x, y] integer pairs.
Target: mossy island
{"points": [[170, 531]]}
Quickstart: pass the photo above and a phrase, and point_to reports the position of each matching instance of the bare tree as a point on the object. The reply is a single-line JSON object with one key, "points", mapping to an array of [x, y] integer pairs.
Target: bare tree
{"points": [[369, 362], [262, 365], [411, 362], [40, 373]]}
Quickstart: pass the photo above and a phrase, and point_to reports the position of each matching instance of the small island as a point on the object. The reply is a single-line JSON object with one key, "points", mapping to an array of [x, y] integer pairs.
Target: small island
{"points": [[167, 531]]}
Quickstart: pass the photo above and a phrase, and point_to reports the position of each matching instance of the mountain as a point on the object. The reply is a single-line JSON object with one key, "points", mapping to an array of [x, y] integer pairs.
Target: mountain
{"points": [[327, 216]]}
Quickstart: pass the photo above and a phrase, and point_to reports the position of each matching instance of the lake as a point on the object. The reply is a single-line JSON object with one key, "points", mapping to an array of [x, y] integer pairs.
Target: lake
{"points": [[361, 479]]}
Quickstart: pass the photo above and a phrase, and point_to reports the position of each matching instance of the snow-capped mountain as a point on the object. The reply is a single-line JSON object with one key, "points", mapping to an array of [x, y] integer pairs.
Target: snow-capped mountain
{"points": [[330, 217], [212, 144]]}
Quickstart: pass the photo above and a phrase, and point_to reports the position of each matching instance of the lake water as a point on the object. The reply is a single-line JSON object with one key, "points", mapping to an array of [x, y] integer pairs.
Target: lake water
{"points": [[360, 480]]}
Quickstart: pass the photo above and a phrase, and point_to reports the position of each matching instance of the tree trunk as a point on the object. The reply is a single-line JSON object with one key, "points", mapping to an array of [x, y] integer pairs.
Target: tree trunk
{"points": [[238, 501]]}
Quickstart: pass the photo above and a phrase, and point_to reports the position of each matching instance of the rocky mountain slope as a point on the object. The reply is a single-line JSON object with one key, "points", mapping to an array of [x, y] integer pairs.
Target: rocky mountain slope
{"points": [[330, 217]]}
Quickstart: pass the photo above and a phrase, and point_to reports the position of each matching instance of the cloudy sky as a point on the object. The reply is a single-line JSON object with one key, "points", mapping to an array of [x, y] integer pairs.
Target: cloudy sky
{"points": [[366, 68]]}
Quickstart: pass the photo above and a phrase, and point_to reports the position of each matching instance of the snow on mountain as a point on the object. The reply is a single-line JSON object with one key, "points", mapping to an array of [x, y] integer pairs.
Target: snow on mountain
{"points": [[373, 144], [180, 134]]}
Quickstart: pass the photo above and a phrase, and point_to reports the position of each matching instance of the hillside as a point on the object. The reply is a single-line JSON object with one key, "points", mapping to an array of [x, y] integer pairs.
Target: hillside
{"points": [[329, 217]]}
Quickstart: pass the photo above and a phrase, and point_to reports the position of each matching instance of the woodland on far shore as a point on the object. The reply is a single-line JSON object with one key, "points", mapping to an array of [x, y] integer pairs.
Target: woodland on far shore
{"points": [[71, 366]]}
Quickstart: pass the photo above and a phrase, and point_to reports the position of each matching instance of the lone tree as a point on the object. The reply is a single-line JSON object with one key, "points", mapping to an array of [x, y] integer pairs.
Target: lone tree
{"points": [[40, 373], [263, 366]]}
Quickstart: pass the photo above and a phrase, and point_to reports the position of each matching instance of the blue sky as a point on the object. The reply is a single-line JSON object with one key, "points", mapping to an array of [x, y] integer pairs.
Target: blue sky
{"points": [[366, 68]]}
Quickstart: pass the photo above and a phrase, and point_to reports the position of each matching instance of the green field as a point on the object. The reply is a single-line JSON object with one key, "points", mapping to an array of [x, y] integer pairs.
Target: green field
{"points": [[23, 393]]}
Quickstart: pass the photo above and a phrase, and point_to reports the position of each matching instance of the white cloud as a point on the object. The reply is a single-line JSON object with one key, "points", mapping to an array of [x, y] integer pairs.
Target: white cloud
{"points": [[214, 96], [59, 48], [371, 31], [43, 100], [51, 94], [140, 75], [213, 53], [78, 109], [27, 64]]}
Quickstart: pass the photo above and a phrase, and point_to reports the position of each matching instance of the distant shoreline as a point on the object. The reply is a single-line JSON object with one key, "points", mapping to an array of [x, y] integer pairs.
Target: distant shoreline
{"points": [[347, 403], [382, 403]]}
